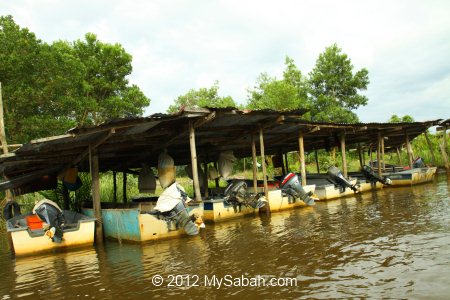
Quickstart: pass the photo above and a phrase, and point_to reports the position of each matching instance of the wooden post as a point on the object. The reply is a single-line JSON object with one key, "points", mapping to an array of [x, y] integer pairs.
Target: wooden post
{"points": [[115, 187], [379, 155], [8, 193], [301, 149], [344, 156], [205, 180], [198, 196], [316, 156], [2, 125], [96, 198], [444, 156], [255, 166], [408, 148], [445, 139], [283, 169], [124, 187], [382, 154], [66, 197], [433, 158], [263, 163], [400, 161], [217, 179], [360, 155], [286, 161]]}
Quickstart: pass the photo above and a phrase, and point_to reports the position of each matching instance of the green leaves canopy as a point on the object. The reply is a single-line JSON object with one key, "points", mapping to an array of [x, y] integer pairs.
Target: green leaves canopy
{"points": [[48, 89], [333, 87], [202, 97]]}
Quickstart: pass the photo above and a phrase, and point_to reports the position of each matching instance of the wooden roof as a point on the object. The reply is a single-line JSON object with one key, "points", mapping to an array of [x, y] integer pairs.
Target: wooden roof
{"points": [[128, 143]]}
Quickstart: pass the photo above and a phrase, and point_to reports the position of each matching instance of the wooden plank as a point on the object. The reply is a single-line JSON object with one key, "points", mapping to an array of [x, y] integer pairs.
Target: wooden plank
{"points": [[52, 138], [433, 157], [96, 198], [409, 150], [301, 149], [255, 165], [198, 196], [263, 163], [344, 156]]}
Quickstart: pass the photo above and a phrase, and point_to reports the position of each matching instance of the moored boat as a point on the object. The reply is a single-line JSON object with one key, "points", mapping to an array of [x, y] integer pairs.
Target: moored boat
{"points": [[29, 237]]}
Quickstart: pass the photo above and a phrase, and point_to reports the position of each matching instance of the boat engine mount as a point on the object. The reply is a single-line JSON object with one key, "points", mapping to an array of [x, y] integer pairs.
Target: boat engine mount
{"points": [[291, 187], [335, 176]]}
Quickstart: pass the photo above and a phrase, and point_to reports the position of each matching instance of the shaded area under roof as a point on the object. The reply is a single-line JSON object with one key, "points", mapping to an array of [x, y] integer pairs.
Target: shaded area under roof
{"points": [[128, 143]]}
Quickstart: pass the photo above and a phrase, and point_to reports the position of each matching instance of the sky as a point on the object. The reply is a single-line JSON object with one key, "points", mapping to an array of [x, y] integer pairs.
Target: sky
{"points": [[182, 45]]}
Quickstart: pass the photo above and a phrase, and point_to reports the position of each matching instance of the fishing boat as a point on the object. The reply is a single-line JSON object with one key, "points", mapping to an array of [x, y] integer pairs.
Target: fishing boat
{"points": [[28, 235], [411, 176]]}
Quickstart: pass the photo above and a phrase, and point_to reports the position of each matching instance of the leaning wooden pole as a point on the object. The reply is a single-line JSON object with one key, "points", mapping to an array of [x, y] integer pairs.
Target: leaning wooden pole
{"points": [[344, 156], [360, 156], [255, 166], [301, 149], [96, 198], [8, 193], [198, 196], [433, 157], [379, 154], [400, 161], [409, 149], [382, 153], [316, 156], [263, 163]]}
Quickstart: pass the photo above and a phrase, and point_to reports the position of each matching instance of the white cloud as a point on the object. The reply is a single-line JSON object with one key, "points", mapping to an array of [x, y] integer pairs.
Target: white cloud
{"points": [[179, 45]]}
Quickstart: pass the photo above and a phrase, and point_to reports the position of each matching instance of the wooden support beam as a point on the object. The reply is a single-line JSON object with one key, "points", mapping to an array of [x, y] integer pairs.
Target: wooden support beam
{"points": [[92, 147], [96, 198], [409, 149], [8, 193], [286, 162], [433, 157], [255, 165], [301, 149], [198, 196], [283, 168], [263, 163], [316, 156], [360, 155], [400, 161], [382, 154], [380, 173], [124, 187], [344, 156], [217, 179], [115, 187], [205, 180]]}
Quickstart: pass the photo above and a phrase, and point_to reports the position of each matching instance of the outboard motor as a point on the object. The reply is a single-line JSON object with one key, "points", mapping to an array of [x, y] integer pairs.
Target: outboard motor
{"points": [[50, 213], [11, 209], [171, 207], [291, 187], [418, 163], [335, 176], [373, 177], [236, 193]]}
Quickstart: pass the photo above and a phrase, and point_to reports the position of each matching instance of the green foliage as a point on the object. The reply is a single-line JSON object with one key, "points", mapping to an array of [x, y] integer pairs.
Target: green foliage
{"points": [[202, 97], [286, 94], [50, 88], [405, 119], [334, 89]]}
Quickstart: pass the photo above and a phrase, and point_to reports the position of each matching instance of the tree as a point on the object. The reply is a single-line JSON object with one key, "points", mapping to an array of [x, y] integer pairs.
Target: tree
{"points": [[106, 93], [405, 119], [50, 88], [286, 94], [334, 88], [202, 97]]}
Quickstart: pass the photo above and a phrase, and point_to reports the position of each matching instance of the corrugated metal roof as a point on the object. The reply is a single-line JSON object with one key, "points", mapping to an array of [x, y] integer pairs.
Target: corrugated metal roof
{"points": [[127, 143]]}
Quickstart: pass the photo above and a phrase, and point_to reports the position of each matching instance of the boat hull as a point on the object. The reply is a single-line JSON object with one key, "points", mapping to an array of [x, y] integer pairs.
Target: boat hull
{"points": [[26, 242]]}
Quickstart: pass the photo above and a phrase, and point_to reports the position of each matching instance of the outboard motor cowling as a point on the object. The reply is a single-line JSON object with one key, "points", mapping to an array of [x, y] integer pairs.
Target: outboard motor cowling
{"points": [[373, 177], [50, 213], [335, 176], [290, 186], [236, 193], [171, 206]]}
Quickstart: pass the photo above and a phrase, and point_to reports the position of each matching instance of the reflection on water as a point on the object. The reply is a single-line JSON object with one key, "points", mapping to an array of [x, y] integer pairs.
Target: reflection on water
{"points": [[393, 243]]}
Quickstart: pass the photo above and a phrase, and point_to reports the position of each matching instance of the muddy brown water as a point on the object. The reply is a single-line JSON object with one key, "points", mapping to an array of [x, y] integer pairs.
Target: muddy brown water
{"points": [[393, 243]]}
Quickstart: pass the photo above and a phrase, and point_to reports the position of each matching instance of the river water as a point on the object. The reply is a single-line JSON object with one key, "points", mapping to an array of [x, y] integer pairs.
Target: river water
{"points": [[393, 243]]}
